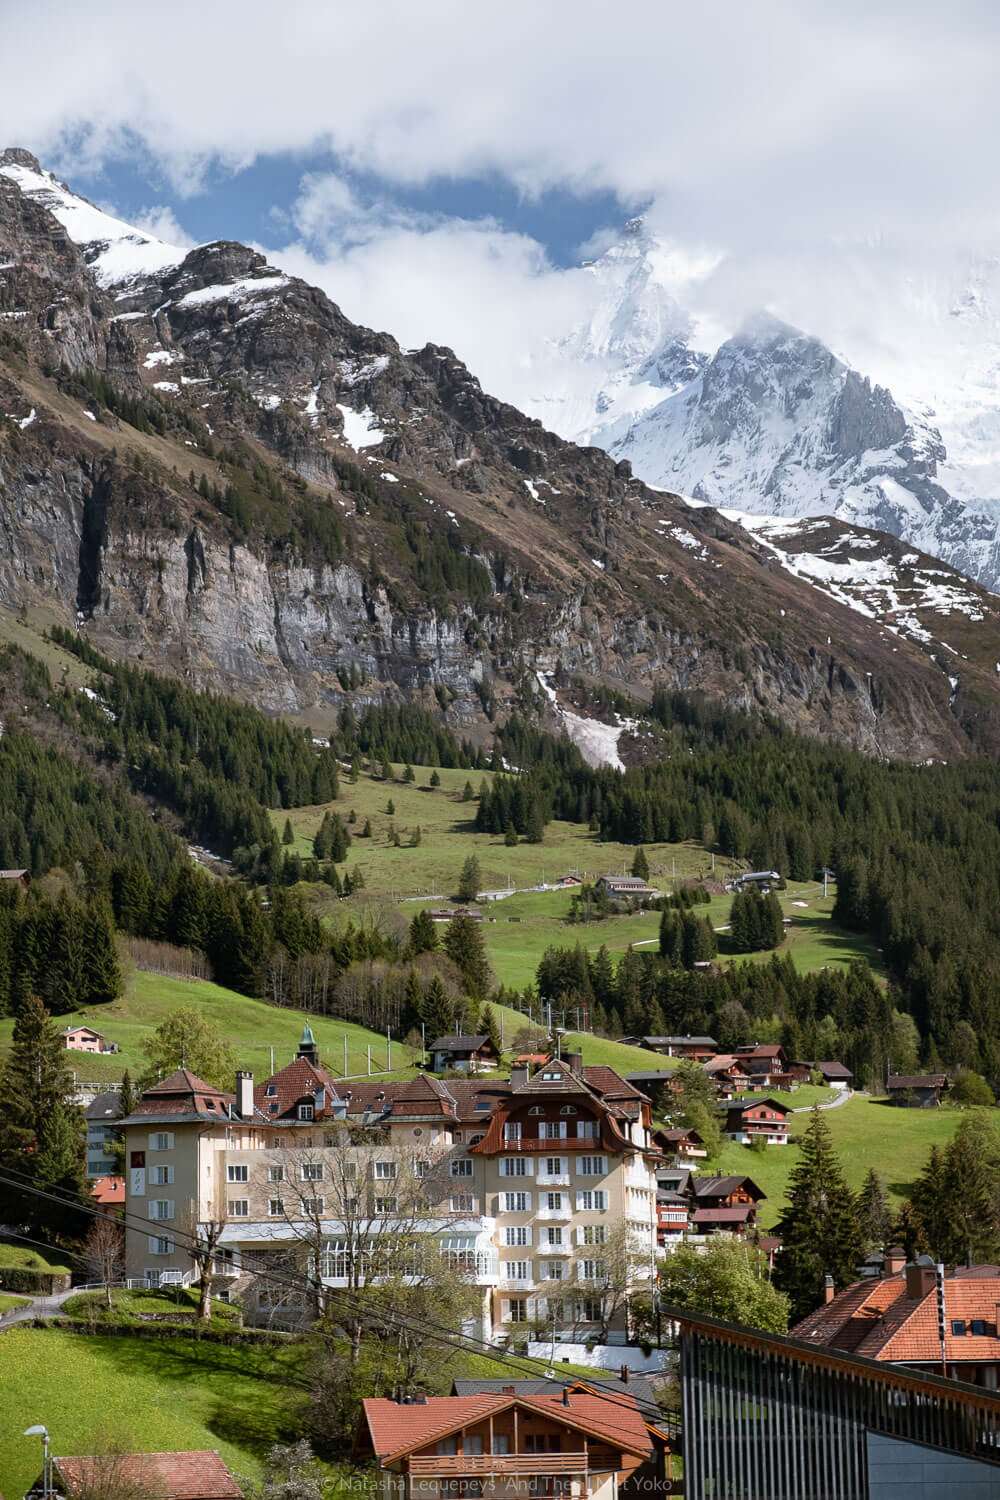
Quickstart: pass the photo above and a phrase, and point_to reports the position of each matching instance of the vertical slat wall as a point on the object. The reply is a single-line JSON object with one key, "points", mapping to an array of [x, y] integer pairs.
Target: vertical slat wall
{"points": [[761, 1425]]}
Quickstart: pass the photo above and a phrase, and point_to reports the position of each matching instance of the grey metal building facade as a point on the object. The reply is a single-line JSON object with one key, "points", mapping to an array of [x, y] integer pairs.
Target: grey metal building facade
{"points": [[773, 1418]]}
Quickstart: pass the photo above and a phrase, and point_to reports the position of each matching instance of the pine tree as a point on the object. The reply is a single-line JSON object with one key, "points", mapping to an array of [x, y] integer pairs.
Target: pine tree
{"points": [[640, 864], [489, 1025], [873, 1212], [102, 972], [129, 1094], [435, 780], [820, 1232], [386, 770], [467, 792], [927, 1198], [470, 880], [41, 1134], [408, 773], [436, 1011], [535, 828], [510, 836], [287, 834], [423, 934], [970, 1201], [390, 807], [463, 943]]}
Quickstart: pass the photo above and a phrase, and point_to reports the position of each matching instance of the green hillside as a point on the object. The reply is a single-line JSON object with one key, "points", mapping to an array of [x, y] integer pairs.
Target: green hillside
{"points": [[251, 1027]]}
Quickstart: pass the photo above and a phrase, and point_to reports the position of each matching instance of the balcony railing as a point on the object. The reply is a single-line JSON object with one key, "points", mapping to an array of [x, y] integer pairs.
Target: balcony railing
{"points": [[450, 1465]]}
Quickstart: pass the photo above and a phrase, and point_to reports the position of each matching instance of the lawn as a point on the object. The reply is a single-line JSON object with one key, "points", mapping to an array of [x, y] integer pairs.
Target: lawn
{"points": [[447, 838], [866, 1133], [161, 1394], [155, 1394], [24, 1258], [181, 1304], [597, 1051], [7, 1302], [252, 1028]]}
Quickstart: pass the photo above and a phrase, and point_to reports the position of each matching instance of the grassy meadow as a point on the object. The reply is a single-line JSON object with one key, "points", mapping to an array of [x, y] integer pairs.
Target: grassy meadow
{"points": [[866, 1133], [251, 1027]]}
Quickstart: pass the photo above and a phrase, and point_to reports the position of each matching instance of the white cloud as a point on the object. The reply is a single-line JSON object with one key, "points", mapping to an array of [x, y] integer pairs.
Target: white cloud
{"points": [[746, 124], [160, 221]]}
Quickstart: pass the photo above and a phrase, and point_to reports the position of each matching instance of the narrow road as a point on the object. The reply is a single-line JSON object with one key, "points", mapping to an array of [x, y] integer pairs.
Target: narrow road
{"points": [[841, 1097], [39, 1307]]}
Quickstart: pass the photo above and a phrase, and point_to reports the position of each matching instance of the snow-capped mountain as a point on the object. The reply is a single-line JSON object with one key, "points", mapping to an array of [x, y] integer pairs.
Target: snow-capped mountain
{"points": [[771, 421]]}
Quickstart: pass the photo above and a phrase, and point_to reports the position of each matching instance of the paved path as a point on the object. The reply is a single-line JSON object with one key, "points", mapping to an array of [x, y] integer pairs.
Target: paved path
{"points": [[841, 1098], [39, 1307]]}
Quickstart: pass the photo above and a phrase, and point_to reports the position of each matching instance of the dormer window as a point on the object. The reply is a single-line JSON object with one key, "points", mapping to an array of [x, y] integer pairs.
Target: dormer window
{"points": [[306, 1111], [271, 1091], [483, 1104], [272, 1108], [552, 1078], [958, 1328], [568, 1109], [536, 1109]]}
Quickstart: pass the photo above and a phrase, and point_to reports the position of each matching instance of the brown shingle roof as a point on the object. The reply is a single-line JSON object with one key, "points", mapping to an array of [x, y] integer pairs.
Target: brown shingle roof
{"points": [[916, 1081], [299, 1080], [398, 1430], [458, 1043], [196, 1475], [183, 1094]]}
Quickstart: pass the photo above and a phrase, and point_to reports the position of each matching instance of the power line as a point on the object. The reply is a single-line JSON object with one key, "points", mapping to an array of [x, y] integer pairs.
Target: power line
{"points": [[294, 1281]]}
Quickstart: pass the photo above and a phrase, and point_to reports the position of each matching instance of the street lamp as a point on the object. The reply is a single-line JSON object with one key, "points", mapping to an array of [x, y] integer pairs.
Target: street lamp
{"points": [[42, 1432]]}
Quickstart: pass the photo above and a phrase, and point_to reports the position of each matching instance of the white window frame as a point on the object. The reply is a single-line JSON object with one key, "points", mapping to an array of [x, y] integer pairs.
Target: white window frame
{"points": [[516, 1166], [237, 1171], [385, 1171], [161, 1244], [311, 1171], [239, 1208], [516, 1236], [463, 1166], [312, 1206], [161, 1176], [161, 1140], [593, 1166], [275, 1208], [515, 1207], [276, 1173], [553, 1234], [307, 1112], [161, 1208]]}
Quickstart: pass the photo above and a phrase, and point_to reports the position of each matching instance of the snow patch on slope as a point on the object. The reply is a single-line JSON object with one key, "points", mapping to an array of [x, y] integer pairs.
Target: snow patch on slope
{"points": [[596, 741], [360, 430], [117, 252]]}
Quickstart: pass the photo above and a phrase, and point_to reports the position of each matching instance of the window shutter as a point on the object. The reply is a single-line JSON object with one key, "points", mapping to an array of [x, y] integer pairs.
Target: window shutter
{"points": [[528, 1236], [562, 1130], [504, 1306], [530, 1167], [579, 1234], [170, 1208], [531, 1309]]}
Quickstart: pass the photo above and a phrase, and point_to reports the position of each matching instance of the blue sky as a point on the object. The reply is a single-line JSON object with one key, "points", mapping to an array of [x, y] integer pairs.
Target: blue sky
{"points": [[254, 204]]}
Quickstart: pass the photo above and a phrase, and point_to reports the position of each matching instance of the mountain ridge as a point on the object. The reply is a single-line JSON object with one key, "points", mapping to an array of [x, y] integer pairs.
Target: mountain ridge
{"points": [[208, 462]]}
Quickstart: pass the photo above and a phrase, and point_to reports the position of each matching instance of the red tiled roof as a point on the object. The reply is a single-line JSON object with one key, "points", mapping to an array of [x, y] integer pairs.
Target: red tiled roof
{"points": [[398, 1430], [109, 1191], [299, 1080], [877, 1319], [196, 1475]]}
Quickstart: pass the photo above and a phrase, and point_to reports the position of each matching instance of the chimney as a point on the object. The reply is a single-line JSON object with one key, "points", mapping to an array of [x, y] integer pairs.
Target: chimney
{"points": [[518, 1075], [244, 1095], [624, 1374], [575, 1061], [919, 1279], [894, 1260], [828, 1289], [508, 1390], [565, 1395]]}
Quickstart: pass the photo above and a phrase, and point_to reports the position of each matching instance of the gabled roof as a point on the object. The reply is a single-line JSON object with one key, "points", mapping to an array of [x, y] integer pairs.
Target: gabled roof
{"points": [[109, 1192], [916, 1081], [742, 1105], [182, 1095], [458, 1043], [299, 1080], [196, 1475], [876, 1318], [738, 1213], [721, 1187], [397, 1430], [638, 1387]]}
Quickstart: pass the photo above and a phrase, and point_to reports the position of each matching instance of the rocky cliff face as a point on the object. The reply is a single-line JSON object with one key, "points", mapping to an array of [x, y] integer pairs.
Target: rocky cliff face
{"points": [[205, 464]]}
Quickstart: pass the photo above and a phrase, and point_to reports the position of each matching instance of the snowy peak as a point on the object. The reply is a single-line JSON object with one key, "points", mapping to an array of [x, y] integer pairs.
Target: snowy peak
{"points": [[117, 252]]}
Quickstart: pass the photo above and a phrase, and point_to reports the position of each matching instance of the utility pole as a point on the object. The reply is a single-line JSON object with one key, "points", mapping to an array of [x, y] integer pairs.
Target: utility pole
{"points": [[388, 1050], [272, 1060], [369, 1059], [345, 1054]]}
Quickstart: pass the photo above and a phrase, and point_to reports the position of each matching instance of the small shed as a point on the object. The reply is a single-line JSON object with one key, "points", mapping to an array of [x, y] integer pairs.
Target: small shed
{"points": [[19, 877], [916, 1090]]}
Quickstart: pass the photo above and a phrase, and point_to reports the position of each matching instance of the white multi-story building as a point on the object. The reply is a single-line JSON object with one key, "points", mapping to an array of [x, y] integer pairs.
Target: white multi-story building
{"points": [[543, 1188]]}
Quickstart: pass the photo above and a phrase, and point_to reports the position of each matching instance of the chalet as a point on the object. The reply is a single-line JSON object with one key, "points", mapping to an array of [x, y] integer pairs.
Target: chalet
{"points": [[681, 1143], [917, 1090], [766, 1064], [466, 1054], [18, 877], [834, 1074], [697, 1048], [199, 1475], [723, 1205], [85, 1039], [894, 1318], [624, 887], [446, 914], [729, 1074], [505, 1444], [531, 1059], [757, 1119], [624, 1387], [572, 877]]}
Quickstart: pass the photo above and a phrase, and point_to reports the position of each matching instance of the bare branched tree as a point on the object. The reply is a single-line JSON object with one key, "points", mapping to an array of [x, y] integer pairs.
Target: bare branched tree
{"points": [[104, 1254], [204, 1243]]}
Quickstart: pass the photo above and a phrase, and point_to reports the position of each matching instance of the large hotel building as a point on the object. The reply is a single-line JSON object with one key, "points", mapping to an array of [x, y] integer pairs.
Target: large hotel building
{"points": [[542, 1188]]}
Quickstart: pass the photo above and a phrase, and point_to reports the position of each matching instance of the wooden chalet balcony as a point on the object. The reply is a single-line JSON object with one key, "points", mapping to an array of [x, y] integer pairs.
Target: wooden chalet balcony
{"points": [[451, 1465]]}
